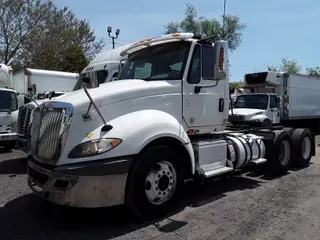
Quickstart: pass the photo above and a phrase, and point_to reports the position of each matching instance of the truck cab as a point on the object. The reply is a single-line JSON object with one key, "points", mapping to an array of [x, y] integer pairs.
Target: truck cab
{"points": [[259, 107], [8, 118], [104, 68]]}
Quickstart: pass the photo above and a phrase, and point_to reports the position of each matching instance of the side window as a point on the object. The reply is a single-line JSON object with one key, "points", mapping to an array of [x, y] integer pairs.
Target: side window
{"points": [[273, 101], [207, 62], [114, 77], [14, 102], [194, 70], [143, 71], [102, 76]]}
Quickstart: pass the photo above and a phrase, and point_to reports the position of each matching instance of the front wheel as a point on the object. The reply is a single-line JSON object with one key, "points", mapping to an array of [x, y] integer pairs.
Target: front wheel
{"points": [[154, 182]]}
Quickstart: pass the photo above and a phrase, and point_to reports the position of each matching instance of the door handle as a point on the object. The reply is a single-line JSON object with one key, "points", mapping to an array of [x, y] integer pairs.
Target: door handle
{"points": [[221, 104]]}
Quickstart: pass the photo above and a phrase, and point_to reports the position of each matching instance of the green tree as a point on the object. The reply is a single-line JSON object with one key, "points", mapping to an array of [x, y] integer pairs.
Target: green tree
{"points": [[232, 30], [290, 66], [236, 85], [38, 34], [273, 68], [74, 60], [313, 71], [287, 65]]}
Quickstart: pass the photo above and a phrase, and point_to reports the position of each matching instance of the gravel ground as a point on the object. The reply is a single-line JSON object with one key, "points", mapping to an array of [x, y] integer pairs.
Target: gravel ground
{"points": [[246, 207]]}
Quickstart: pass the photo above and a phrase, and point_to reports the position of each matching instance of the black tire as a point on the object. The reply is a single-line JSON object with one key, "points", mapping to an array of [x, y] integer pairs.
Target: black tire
{"points": [[300, 137], [275, 165], [136, 196], [289, 130]]}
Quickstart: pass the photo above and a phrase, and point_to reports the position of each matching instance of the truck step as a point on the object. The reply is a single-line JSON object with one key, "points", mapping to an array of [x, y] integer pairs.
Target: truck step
{"points": [[259, 161], [214, 172]]}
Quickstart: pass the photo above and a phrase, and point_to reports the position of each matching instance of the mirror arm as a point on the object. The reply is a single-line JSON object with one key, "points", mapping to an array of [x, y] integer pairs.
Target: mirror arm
{"points": [[30, 98]]}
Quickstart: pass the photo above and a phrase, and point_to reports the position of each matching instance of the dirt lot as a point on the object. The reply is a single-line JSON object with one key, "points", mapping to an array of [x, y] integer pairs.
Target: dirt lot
{"points": [[247, 207]]}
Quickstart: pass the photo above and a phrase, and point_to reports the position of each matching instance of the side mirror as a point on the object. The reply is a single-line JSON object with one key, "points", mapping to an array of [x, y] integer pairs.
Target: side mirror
{"points": [[51, 94], [86, 80], [220, 60], [231, 90], [32, 89], [122, 62]]}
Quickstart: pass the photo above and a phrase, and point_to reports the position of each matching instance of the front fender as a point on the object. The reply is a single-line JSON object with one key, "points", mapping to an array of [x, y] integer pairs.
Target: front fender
{"points": [[138, 129], [259, 118]]}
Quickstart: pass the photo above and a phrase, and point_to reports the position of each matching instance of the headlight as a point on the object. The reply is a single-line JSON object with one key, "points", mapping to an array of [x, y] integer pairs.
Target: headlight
{"points": [[94, 147], [14, 127]]}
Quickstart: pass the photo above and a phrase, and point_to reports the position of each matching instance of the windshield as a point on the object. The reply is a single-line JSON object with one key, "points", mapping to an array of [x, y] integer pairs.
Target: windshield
{"points": [[256, 101], [8, 101], [159, 62]]}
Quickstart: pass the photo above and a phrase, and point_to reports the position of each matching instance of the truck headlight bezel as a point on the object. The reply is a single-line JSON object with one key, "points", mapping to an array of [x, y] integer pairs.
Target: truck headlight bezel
{"points": [[13, 126], [94, 147]]}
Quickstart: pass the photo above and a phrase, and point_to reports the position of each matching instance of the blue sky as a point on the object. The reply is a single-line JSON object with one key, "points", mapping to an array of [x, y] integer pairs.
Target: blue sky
{"points": [[275, 28]]}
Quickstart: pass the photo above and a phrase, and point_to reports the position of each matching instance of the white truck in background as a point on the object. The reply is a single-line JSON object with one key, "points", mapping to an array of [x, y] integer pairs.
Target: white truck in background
{"points": [[8, 118], [44, 80], [136, 140], [104, 68], [276, 98], [8, 109]]}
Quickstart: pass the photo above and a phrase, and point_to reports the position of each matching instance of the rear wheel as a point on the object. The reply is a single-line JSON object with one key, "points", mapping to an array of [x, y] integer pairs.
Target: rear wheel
{"points": [[278, 153], [154, 182], [302, 147], [289, 130]]}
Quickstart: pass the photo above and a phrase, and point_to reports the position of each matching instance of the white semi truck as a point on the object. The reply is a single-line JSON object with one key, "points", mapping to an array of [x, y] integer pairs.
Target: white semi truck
{"points": [[136, 140], [42, 82], [8, 109], [104, 68], [279, 98]]}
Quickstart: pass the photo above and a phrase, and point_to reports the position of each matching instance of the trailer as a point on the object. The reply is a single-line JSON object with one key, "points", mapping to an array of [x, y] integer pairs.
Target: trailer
{"points": [[135, 141], [279, 98]]}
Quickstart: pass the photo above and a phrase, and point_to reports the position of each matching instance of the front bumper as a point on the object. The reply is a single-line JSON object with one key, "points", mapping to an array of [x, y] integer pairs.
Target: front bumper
{"points": [[91, 185], [8, 137]]}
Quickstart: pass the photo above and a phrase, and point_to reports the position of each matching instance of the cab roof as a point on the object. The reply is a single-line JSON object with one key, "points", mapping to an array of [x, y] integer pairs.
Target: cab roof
{"points": [[157, 40]]}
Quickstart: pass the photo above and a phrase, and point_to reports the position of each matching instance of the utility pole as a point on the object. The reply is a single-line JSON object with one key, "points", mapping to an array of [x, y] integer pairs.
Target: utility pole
{"points": [[223, 17], [109, 30]]}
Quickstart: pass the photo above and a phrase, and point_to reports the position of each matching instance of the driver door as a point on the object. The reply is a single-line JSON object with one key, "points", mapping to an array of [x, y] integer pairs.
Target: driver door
{"points": [[274, 114], [204, 111]]}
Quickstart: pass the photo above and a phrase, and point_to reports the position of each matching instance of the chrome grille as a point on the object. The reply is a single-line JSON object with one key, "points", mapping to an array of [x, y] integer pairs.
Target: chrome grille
{"points": [[49, 128], [24, 120]]}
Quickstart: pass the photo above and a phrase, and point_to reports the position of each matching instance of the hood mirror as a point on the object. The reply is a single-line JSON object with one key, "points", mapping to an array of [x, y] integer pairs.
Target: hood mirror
{"points": [[51, 94], [32, 89]]}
